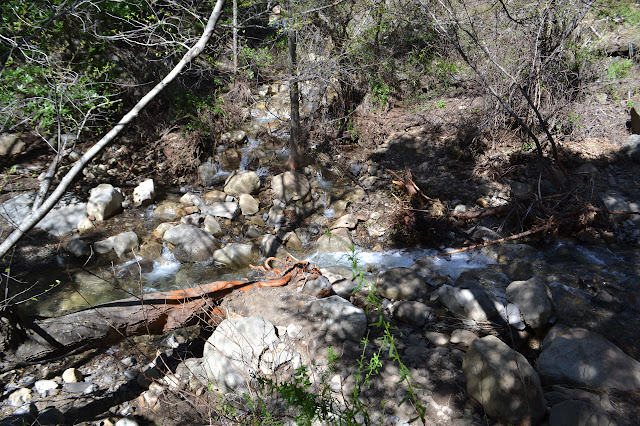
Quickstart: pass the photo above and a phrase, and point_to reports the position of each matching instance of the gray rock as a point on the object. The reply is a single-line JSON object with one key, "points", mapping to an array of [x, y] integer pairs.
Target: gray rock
{"points": [[354, 194], [78, 247], [144, 193], [44, 386], [206, 173], [20, 397], [533, 298], [269, 245], [463, 337], [581, 395], [473, 303], [192, 243], [232, 353], [51, 416], [579, 357], [438, 339], [615, 203], [85, 224], [348, 221], [248, 205], [415, 313], [72, 375], [61, 220], [104, 201], [212, 226], [632, 147], [236, 255], [335, 241], [318, 286], [401, 284], [78, 387], [11, 144], [234, 137], [122, 244], [578, 413], [503, 382], [125, 243], [514, 317], [290, 186], [221, 209], [276, 214], [505, 253], [103, 246], [339, 318], [127, 422], [242, 182]]}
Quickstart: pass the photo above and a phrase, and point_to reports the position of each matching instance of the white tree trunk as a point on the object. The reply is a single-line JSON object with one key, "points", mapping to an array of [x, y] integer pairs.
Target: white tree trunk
{"points": [[35, 216]]}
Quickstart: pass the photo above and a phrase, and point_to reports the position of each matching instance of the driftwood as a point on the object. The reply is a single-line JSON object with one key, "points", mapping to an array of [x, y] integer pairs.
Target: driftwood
{"points": [[154, 313]]}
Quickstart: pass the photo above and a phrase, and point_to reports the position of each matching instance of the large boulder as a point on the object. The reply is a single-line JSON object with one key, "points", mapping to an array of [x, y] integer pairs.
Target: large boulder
{"points": [[503, 382], [578, 413], [474, 303], [242, 182], [192, 243], [236, 255], [232, 353], [290, 186], [583, 358], [401, 284], [338, 318], [11, 144], [104, 201], [337, 240], [533, 298]]}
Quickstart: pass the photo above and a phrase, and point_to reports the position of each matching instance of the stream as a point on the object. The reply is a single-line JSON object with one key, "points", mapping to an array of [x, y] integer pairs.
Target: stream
{"points": [[594, 287]]}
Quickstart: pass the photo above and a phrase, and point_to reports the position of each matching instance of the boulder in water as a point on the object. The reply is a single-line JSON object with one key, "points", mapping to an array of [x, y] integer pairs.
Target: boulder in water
{"points": [[104, 201], [290, 186]]}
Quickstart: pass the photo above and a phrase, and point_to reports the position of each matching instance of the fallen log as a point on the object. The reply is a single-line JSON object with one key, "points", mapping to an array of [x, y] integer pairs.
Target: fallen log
{"points": [[156, 313]]}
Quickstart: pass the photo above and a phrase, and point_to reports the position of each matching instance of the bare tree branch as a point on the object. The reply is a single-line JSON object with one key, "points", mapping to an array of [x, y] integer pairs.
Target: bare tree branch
{"points": [[35, 216]]}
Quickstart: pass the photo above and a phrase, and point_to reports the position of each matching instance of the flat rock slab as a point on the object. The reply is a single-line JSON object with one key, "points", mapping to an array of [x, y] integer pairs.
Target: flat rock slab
{"points": [[324, 321], [61, 220], [582, 358]]}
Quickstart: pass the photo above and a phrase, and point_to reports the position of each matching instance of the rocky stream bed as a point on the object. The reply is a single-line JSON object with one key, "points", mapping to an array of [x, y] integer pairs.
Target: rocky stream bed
{"points": [[512, 332]]}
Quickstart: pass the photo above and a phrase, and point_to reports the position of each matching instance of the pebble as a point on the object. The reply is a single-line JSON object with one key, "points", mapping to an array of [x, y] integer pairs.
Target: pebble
{"points": [[20, 397], [438, 339], [44, 386], [71, 375]]}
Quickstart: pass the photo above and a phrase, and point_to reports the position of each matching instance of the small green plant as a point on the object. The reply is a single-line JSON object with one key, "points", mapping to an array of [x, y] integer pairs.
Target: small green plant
{"points": [[440, 104], [380, 92], [619, 69], [199, 111]]}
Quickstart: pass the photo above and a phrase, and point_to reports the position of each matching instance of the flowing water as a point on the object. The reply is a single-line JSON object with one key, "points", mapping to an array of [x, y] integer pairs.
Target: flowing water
{"points": [[596, 287]]}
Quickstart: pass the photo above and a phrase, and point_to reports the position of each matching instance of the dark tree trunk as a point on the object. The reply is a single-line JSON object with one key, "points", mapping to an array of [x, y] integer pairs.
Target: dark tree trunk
{"points": [[295, 150]]}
